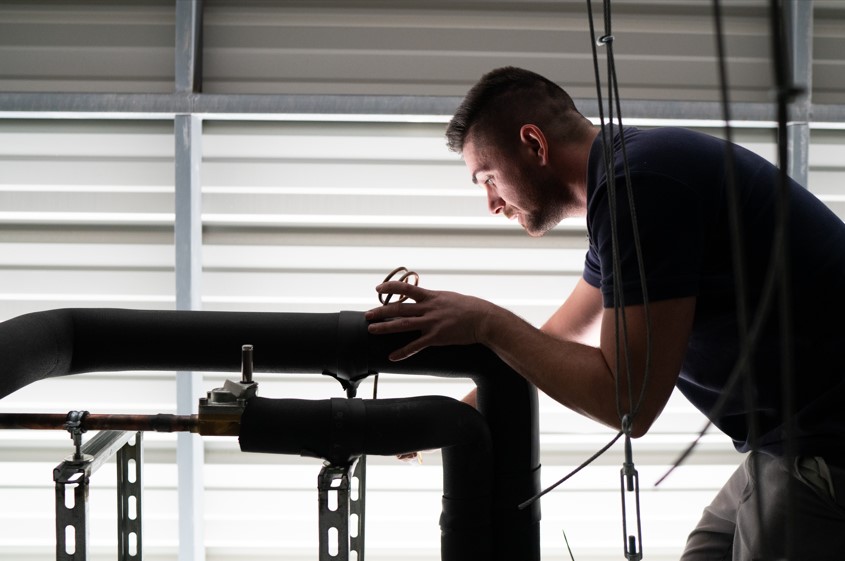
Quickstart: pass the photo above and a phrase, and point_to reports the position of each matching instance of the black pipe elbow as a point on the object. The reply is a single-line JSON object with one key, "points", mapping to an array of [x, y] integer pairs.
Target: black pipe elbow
{"points": [[340, 430]]}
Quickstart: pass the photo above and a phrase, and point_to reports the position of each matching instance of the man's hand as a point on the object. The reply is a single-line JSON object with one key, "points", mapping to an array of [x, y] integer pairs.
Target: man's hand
{"points": [[442, 318]]}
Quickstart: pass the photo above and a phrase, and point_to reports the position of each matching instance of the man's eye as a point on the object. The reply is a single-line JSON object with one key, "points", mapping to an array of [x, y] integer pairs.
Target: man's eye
{"points": [[488, 181]]}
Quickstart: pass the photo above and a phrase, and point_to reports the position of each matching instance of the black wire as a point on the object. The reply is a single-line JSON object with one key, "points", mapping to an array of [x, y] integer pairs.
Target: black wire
{"points": [[778, 265], [620, 318], [607, 153], [637, 247], [572, 557], [734, 215], [777, 275], [737, 251], [589, 460], [785, 92], [608, 156], [620, 315], [767, 294]]}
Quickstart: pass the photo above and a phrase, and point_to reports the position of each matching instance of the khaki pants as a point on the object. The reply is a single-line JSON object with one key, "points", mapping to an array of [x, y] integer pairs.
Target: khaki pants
{"points": [[748, 519]]}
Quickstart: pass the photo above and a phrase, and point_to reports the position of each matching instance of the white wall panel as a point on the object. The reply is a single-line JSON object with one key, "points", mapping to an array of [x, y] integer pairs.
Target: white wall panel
{"points": [[86, 213]]}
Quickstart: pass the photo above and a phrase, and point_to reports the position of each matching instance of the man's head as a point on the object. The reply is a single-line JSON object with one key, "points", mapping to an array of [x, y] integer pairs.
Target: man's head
{"points": [[506, 98], [526, 144]]}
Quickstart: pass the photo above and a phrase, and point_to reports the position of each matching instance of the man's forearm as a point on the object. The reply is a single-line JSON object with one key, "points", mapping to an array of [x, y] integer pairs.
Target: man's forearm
{"points": [[574, 374]]}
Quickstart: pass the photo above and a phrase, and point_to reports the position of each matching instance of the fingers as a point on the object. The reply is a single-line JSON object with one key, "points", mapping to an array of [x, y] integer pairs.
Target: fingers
{"points": [[400, 288], [402, 317], [402, 325], [398, 309], [408, 350], [390, 319], [405, 352]]}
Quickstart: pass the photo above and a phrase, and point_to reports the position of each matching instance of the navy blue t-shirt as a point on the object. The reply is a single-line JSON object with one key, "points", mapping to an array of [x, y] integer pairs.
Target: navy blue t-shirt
{"points": [[680, 193]]}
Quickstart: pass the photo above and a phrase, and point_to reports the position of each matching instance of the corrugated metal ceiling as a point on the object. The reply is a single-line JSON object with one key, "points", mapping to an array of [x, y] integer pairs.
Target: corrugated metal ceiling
{"points": [[664, 48]]}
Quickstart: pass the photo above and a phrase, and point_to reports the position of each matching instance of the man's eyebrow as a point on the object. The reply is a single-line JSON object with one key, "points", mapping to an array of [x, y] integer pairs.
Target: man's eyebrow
{"points": [[475, 175]]}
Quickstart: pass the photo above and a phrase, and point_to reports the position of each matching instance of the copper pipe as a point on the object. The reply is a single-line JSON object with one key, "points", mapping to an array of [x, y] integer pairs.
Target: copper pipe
{"points": [[91, 421]]}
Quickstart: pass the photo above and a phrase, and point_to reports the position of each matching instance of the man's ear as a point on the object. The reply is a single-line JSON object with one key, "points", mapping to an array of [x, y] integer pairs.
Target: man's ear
{"points": [[532, 137]]}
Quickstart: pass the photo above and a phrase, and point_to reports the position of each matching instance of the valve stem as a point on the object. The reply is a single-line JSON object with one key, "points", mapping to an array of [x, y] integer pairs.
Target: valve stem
{"points": [[246, 364]]}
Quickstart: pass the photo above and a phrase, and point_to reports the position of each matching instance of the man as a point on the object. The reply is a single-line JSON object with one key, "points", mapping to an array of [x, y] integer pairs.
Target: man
{"points": [[540, 161]]}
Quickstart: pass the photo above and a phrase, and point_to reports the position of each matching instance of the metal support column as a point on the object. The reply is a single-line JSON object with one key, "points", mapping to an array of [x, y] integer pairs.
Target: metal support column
{"points": [[188, 242], [188, 223], [357, 507], [189, 46], [71, 513], [341, 514], [76, 472], [799, 17], [130, 486]]}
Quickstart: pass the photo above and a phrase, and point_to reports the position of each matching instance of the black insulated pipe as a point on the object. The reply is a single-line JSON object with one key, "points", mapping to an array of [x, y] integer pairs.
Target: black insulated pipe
{"points": [[76, 340], [340, 430]]}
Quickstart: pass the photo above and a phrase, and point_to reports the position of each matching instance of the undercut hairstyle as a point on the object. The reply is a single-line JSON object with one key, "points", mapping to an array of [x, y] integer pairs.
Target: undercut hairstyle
{"points": [[503, 100]]}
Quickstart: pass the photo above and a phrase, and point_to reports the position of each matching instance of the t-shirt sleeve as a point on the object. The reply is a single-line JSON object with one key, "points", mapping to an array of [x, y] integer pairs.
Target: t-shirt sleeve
{"points": [[670, 226], [592, 268]]}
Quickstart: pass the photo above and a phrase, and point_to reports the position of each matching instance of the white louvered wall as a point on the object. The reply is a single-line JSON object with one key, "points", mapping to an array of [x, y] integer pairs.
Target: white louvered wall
{"points": [[300, 217]]}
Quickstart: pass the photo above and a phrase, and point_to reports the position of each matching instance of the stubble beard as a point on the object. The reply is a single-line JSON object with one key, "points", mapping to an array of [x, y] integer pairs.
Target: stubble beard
{"points": [[553, 212], [537, 226]]}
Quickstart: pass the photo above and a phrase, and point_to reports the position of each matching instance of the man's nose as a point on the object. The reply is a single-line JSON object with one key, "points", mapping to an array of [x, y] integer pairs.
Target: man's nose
{"points": [[494, 202]]}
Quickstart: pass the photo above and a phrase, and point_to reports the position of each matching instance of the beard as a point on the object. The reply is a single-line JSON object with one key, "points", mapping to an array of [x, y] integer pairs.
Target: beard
{"points": [[537, 224], [551, 207], [544, 200]]}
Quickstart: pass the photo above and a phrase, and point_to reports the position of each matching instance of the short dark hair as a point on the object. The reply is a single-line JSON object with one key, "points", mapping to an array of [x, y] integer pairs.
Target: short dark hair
{"points": [[506, 98]]}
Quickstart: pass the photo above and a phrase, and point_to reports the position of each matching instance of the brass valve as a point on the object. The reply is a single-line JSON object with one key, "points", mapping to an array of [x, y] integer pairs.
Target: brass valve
{"points": [[220, 411]]}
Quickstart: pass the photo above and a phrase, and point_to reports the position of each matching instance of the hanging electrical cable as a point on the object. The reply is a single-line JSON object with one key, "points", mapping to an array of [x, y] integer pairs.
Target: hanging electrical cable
{"points": [[777, 279], [785, 93], [749, 331], [746, 372], [735, 224], [773, 284], [607, 132], [629, 477]]}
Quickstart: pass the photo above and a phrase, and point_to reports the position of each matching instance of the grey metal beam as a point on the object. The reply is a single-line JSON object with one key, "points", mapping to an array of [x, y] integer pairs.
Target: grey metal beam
{"points": [[211, 106], [188, 206], [188, 246], [189, 45], [188, 242], [800, 31], [167, 105], [95, 104]]}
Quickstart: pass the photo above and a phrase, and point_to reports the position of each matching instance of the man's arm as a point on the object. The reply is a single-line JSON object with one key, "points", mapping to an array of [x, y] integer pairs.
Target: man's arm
{"points": [[579, 317], [579, 376], [583, 378]]}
